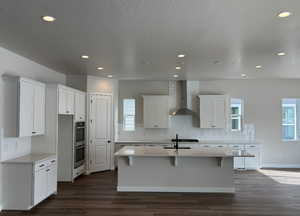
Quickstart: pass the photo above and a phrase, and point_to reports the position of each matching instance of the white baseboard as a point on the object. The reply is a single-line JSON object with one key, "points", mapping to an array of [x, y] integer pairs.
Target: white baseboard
{"points": [[178, 189], [279, 165]]}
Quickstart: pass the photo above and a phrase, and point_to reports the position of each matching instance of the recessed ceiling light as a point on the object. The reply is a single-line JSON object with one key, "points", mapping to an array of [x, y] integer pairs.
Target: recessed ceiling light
{"points": [[85, 56], [177, 68], [281, 53], [243, 75], [109, 76], [258, 66], [284, 14], [175, 76], [48, 18], [100, 68], [181, 55]]}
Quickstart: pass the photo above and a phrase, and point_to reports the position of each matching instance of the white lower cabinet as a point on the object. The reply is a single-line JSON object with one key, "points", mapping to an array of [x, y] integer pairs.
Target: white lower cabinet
{"points": [[45, 181], [238, 162], [252, 162], [40, 189], [26, 183]]}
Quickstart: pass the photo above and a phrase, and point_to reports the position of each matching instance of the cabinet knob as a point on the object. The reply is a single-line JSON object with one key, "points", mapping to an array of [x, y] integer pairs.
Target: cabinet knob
{"points": [[108, 141]]}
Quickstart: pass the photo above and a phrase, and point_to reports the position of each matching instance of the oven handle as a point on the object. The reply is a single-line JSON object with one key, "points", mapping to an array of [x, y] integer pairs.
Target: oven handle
{"points": [[80, 146], [80, 127]]}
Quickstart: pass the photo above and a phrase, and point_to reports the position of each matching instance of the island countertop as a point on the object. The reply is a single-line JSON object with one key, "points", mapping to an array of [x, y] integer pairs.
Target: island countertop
{"points": [[158, 151]]}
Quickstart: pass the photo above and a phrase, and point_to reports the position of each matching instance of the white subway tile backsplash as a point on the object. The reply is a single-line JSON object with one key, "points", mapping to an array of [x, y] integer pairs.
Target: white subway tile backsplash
{"points": [[183, 125]]}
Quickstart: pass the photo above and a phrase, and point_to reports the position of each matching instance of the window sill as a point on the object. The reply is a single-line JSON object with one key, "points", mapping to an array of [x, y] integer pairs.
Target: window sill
{"points": [[296, 140]]}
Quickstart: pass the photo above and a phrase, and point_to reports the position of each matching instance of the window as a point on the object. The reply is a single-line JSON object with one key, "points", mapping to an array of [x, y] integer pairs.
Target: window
{"points": [[289, 119], [236, 114], [129, 114]]}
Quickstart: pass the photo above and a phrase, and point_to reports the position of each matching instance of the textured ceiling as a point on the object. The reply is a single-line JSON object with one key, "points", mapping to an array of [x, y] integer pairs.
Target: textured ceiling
{"points": [[139, 39]]}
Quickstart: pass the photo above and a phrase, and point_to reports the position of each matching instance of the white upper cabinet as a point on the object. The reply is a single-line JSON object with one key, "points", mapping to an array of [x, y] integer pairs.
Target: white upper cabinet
{"points": [[31, 107], [66, 99], [79, 106], [156, 111], [213, 111]]}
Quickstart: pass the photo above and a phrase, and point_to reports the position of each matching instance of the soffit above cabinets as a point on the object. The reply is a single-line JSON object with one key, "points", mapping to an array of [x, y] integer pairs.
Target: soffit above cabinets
{"points": [[137, 39]]}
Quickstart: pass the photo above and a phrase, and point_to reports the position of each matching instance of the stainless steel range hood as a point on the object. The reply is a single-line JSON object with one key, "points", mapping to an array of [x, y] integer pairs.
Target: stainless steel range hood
{"points": [[184, 97]]}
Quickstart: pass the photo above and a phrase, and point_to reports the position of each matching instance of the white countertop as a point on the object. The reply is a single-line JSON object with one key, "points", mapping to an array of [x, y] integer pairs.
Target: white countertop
{"points": [[158, 151], [31, 158], [242, 142]]}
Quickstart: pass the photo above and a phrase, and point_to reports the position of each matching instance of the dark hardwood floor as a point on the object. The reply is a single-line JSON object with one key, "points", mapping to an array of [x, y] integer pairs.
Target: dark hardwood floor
{"points": [[267, 192]]}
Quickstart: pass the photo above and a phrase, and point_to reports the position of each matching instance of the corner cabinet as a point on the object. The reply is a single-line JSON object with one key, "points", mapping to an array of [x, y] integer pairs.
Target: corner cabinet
{"points": [[213, 111], [31, 107], [156, 111]]}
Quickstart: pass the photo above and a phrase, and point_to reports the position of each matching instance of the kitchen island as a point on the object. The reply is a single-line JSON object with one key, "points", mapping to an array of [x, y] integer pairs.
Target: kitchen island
{"points": [[155, 169]]}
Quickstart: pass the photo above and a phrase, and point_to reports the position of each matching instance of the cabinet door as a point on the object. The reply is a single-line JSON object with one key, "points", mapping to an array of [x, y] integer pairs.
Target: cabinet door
{"points": [[219, 112], [206, 112], [51, 179], [70, 102], [39, 110], [238, 162], [62, 101], [156, 112], [40, 185], [252, 162], [79, 107], [26, 109]]}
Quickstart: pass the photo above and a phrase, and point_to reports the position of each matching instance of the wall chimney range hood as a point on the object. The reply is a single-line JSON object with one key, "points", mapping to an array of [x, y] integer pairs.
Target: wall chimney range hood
{"points": [[185, 99]]}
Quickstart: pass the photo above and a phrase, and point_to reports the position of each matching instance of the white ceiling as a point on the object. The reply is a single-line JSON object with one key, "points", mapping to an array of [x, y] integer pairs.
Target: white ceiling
{"points": [[139, 39]]}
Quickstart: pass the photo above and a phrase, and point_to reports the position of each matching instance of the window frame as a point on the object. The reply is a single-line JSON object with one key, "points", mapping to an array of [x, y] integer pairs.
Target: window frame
{"points": [[238, 116], [287, 124], [125, 116]]}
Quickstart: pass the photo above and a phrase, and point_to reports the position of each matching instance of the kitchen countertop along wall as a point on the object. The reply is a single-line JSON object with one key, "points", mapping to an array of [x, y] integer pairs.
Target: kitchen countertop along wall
{"points": [[158, 142]]}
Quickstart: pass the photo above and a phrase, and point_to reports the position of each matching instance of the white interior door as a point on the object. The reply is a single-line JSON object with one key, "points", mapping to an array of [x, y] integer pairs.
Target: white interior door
{"points": [[100, 119]]}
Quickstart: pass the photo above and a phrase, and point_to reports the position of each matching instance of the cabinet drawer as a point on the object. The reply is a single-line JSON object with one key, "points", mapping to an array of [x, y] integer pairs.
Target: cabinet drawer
{"points": [[44, 164], [41, 165]]}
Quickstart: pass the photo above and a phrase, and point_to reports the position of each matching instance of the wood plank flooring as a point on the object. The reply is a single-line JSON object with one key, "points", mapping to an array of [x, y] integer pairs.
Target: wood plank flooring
{"points": [[264, 192]]}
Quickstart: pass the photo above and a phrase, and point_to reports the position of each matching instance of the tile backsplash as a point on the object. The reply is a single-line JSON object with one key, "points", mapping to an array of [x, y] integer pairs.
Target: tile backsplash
{"points": [[12, 147], [183, 125]]}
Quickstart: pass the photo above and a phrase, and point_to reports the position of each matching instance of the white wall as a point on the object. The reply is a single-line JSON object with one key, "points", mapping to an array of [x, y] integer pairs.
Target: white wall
{"points": [[262, 107], [15, 65]]}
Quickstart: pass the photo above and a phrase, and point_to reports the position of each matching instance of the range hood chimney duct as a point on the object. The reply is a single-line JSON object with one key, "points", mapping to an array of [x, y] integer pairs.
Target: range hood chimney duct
{"points": [[185, 104]]}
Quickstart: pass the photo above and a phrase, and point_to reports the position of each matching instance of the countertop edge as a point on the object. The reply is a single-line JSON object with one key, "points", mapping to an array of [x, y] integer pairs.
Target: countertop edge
{"points": [[18, 160]]}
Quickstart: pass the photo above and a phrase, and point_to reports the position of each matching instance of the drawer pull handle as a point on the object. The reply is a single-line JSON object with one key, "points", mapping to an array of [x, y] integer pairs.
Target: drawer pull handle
{"points": [[47, 170], [33, 132], [52, 161], [42, 165]]}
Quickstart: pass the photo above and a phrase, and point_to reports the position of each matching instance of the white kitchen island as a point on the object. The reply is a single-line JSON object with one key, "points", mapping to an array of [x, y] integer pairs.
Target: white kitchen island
{"points": [[155, 169]]}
